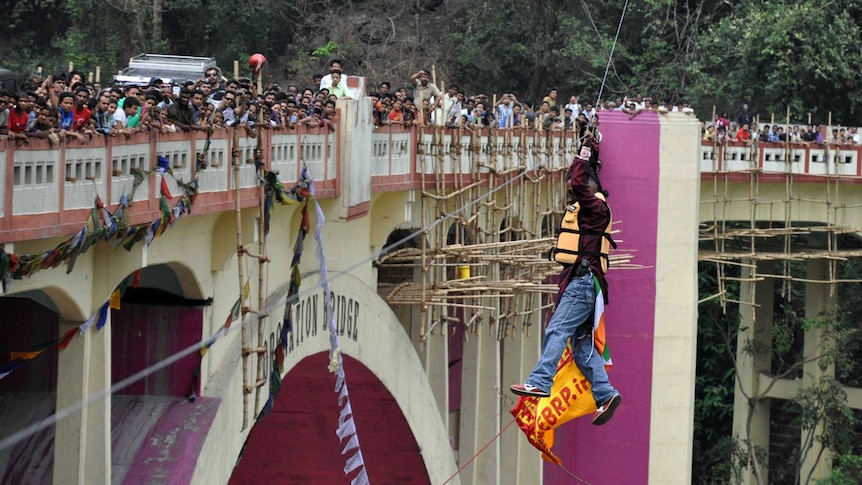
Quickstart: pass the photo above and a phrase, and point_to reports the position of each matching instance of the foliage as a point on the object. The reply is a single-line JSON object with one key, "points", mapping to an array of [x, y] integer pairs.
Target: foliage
{"points": [[717, 455], [847, 470], [797, 61]]}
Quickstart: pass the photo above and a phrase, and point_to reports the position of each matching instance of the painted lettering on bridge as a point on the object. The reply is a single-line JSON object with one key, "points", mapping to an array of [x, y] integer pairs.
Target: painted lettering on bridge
{"points": [[310, 318]]}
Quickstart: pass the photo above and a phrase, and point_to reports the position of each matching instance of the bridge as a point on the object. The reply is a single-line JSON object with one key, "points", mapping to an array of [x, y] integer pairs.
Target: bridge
{"points": [[429, 331]]}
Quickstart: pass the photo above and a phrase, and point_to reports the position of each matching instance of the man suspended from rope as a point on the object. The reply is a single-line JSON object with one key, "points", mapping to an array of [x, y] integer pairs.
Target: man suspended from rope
{"points": [[583, 270]]}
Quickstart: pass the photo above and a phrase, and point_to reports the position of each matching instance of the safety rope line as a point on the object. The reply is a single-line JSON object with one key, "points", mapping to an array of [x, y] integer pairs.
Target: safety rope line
{"points": [[70, 410], [479, 452], [611, 55]]}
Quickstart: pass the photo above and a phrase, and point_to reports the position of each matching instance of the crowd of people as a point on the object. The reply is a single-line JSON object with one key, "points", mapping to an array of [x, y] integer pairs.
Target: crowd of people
{"points": [[64, 106], [746, 130], [67, 106]]}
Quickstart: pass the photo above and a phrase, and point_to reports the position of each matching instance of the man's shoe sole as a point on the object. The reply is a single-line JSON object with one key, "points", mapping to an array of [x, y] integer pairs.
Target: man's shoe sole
{"points": [[527, 393], [607, 414]]}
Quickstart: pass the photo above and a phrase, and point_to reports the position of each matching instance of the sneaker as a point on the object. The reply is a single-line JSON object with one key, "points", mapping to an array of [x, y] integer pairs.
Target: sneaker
{"points": [[528, 390], [606, 411]]}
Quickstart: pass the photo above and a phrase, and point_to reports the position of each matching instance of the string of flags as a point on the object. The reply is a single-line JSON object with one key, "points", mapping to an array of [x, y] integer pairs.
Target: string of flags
{"points": [[346, 430], [104, 225], [99, 319]]}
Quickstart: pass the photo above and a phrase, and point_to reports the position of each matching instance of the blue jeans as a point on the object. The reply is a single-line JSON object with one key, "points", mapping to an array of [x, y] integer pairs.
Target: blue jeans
{"points": [[572, 318]]}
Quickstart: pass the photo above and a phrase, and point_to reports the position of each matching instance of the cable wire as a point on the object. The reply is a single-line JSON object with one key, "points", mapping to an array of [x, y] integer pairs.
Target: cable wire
{"points": [[611, 55]]}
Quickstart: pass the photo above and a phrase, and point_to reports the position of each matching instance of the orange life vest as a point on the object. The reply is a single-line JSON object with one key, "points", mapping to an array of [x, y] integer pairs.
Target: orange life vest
{"points": [[568, 247]]}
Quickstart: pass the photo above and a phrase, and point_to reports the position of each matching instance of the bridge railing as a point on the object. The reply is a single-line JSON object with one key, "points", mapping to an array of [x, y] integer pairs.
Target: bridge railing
{"points": [[47, 188], [779, 158]]}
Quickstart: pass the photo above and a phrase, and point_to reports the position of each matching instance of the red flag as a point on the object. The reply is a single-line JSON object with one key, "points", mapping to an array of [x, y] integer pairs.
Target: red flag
{"points": [[165, 191], [67, 337]]}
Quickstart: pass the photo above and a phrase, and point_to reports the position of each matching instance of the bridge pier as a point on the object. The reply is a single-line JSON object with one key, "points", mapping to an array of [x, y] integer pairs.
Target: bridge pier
{"points": [[755, 328], [82, 451]]}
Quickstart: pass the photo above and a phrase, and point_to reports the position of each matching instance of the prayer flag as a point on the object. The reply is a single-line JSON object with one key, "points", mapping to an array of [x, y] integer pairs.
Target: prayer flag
{"points": [[5, 371], [67, 337], [115, 299], [103, 315], [24, 355], [234, 314]]}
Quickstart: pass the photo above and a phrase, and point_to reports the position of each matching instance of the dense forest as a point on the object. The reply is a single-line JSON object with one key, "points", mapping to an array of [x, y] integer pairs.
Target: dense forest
{"points": [[770, 54]]}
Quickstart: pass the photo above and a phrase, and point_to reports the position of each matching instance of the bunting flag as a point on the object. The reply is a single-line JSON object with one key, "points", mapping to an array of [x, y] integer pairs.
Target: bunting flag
{"points": [[570, 398], [24, 355], [103, 315], [346, 431], [294, 283], [101, 225], [67, 337], [5, 371], [234, 314]]}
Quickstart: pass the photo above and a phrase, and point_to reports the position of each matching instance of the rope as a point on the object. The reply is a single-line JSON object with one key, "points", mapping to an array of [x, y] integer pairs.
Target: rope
{"points": [[479, 452], [611, 55]]}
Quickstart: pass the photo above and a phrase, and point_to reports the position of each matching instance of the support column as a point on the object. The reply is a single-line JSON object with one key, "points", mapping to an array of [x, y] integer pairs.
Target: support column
{"points": [[480, 408], [70, 433], [520, 459], [755, 328], [82, 450], [818, 304], [436, 363]]}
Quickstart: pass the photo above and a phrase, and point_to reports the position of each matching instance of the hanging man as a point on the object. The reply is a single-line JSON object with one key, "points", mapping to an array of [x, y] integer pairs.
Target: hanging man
{"points": [[577, 298]]}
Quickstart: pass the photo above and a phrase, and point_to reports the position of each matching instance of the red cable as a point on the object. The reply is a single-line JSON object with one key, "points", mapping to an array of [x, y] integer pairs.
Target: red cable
{"points": [[479, 452]]}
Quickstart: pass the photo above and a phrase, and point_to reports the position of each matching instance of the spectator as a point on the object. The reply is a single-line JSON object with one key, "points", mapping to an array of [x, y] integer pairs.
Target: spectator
{"points": [[326, 81], [709, 133], [451, 106], [17, 109], [337, 86], [181, 112], [505, 113], [314, 120], [81, 113], [396, 114], [102, 119], [568, 120], [743, 135], [551, 98], [744, 118], [575, 107], [809, 136], [384, 88], [424, 89]]}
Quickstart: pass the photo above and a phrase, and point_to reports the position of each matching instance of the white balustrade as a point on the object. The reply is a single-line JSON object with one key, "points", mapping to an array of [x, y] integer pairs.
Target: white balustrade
{"points": [[35, 182]]}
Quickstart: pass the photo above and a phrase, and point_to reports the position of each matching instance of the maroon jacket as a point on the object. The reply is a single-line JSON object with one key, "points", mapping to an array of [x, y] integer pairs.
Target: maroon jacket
{"points": [[594, 217]]}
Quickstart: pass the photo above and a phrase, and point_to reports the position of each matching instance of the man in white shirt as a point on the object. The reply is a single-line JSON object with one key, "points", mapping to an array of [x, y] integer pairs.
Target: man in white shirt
{"points": [[574, 105], [326, 81]]}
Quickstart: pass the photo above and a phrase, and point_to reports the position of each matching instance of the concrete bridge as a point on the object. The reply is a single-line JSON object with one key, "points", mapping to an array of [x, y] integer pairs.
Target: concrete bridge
{"points": [[424, 400]]}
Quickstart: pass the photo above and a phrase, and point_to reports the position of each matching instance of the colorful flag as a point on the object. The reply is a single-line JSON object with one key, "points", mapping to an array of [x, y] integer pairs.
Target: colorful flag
{"points": [[24, 355], [599, 336], [570, 398], [234, 314]]}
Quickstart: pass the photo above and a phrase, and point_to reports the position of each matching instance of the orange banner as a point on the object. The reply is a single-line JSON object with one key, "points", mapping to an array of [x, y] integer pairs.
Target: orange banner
{"points": [[570, 398]]}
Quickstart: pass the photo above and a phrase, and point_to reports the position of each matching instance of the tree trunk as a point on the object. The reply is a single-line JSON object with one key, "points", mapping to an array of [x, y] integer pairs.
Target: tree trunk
{"points": [[157, 22]]}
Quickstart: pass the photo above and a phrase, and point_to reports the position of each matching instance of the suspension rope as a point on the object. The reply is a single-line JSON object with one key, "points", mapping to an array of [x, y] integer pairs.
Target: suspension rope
{"points": [[611, 55]]}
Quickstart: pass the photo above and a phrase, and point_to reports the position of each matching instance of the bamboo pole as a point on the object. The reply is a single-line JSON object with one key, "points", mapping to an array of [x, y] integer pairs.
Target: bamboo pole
{"points": [[240, 273]]}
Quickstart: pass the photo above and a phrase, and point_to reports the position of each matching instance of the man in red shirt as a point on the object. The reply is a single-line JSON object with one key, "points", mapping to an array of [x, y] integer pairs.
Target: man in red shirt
{"points": [[19, 113], [81, 114]]}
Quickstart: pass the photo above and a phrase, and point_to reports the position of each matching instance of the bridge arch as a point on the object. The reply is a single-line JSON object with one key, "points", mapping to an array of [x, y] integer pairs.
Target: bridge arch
{"points": [[378, 352]]}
